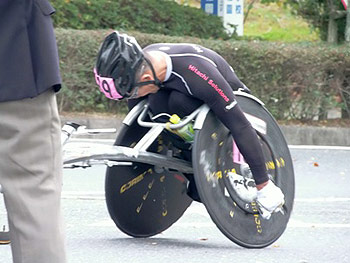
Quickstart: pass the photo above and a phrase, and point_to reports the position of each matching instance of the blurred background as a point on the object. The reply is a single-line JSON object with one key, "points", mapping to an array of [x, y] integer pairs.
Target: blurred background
{"points": [[293, 54]]}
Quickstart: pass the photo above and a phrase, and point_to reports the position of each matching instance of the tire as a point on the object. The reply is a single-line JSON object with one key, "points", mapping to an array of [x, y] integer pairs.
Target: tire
{"points": [[214, 155], [144, 200]]}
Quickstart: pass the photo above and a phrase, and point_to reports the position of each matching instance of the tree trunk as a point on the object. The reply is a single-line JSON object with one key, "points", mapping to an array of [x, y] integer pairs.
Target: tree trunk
{"points": [[347, 28], [332, 34]]}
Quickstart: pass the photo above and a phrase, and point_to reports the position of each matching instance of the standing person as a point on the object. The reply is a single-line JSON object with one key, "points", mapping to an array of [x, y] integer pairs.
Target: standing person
{"points": [[30, 147], [178, 78]]}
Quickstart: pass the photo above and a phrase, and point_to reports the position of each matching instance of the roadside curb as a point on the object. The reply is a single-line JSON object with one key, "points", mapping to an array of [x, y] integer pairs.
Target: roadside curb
{"points": [[311, 135], [294, 134]]}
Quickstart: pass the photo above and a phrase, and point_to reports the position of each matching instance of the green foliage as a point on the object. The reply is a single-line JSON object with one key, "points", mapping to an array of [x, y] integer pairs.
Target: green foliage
{"points": [[296, 81], [317, 13], [273, 22], [77, 51], [149, 16]]}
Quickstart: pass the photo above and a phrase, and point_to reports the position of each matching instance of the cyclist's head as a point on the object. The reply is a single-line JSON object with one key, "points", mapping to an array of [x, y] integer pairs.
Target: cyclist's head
{"points": [[120, 63]]}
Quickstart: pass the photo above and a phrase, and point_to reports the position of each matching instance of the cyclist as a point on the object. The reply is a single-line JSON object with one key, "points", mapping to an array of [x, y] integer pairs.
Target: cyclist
{"points": [[178, 78]]}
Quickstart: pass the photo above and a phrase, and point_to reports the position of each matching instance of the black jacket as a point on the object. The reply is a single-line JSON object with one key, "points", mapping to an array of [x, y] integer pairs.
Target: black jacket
{"points": [[28, 51]]}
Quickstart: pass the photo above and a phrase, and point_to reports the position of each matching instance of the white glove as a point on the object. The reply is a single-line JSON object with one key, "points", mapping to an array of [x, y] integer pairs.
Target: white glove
{"points": [[270, 200]]}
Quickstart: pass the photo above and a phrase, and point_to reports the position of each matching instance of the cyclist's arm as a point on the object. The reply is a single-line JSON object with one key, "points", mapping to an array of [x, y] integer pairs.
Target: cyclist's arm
{"points": [[216, 92], [230, 75]]}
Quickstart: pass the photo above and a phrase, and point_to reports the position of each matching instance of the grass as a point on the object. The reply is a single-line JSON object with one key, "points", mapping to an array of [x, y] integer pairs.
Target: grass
{"points": [[272, 23], [276, 23]]}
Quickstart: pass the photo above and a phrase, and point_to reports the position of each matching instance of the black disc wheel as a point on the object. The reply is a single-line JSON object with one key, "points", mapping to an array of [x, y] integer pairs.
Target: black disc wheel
{"points": [[144, 200], [216, 158]]}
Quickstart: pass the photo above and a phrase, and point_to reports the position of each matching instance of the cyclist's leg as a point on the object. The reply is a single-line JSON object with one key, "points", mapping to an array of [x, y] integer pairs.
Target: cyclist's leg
{"points": [[133, 102], [182, 105], [159, 102], [174, 102], [165, 101]]}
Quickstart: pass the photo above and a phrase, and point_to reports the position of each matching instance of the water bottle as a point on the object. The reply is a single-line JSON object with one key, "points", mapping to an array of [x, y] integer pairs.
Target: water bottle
{"points": [[186, 132]]}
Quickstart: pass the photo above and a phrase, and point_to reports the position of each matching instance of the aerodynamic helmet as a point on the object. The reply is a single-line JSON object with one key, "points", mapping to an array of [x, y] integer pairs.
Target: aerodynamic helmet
{"points": [[118, 61]]}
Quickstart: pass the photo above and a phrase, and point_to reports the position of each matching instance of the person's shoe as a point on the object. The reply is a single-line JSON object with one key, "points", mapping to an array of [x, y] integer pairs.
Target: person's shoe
{"points": [[270, 200], [5, 237], [192, 191], [244, 187]]}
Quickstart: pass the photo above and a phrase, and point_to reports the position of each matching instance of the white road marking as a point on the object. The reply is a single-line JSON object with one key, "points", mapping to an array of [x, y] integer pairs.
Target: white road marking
{"points": [[319, 147], [323, 200], [90, 195], [199, 210], [82, 140], [300, 224]]}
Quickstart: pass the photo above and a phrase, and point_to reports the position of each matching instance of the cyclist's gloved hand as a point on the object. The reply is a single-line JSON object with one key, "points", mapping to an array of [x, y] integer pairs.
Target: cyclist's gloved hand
{"points": [[270, 200]]}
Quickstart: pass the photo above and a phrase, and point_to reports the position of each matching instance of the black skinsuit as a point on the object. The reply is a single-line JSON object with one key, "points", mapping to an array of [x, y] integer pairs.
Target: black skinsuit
{"points": [[195, 75]]}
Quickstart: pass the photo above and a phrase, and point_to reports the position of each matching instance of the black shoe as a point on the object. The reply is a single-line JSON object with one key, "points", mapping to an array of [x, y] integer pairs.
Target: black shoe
{"points": [[192, 188], [5, 237]]}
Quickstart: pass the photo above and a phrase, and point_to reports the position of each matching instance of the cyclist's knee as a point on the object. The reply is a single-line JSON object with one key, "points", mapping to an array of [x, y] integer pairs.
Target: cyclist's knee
{"points": [[182, 104]]}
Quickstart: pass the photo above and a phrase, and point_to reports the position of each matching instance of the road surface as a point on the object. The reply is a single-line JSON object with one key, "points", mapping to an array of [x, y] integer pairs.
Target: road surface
{"points": [[318, 231]]}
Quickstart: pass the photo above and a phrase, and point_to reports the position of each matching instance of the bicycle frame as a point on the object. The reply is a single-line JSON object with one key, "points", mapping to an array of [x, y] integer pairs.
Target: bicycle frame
{"points": [[98, 153]]}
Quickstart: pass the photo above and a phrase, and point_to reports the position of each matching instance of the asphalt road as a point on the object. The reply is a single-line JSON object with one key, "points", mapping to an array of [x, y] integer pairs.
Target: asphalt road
{"points": [[318, 231]]}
